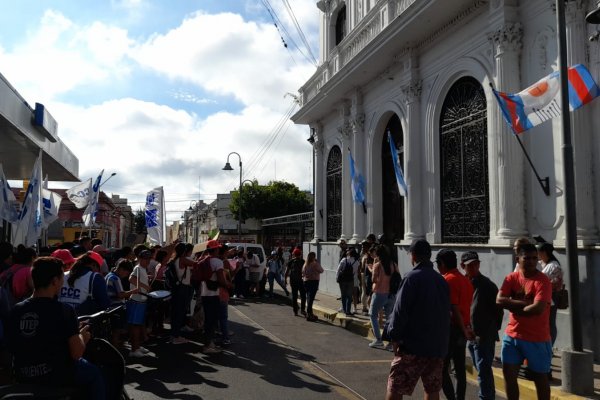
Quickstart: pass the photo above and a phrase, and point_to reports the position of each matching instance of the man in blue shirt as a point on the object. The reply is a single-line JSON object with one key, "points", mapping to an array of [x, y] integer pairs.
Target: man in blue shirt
{"points": [[419, 327]]}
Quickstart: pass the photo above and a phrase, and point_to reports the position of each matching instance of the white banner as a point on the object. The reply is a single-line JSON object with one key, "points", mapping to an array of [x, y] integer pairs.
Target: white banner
{"points": [[80, 193], [31, 218], [9, 207], [51, 201], [155, 215], [89, 215]]}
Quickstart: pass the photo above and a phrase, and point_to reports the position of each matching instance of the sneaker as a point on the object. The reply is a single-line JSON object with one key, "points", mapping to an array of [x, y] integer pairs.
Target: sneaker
{"points": [[144, 350], [389, 347], [137, 354], [303, 312], [241, 296], [187, 329], [211, 349], [179, 340], [376, 343]]}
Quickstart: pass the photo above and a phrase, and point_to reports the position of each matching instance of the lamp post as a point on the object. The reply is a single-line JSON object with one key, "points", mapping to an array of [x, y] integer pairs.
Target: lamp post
{"points": [[227, 167], [577, 366], [107, 179]]}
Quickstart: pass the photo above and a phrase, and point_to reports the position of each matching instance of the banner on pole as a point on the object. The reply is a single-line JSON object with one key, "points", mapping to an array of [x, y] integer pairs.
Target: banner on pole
{"points": [[155, 215]]}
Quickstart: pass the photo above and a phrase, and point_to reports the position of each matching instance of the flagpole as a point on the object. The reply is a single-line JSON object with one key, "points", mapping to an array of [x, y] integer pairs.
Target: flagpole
{"points": [[545, 182]]}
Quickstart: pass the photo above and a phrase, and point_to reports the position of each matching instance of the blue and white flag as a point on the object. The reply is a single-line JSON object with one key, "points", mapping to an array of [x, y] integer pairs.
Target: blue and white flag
{"points": [[80, 193], [358, 181], [397, 167], [155, 215], [89, 215], [31, 217], [9, 209]]}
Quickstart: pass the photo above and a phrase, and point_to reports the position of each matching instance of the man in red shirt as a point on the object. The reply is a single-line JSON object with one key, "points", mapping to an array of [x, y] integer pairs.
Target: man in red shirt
{"points": [[527, 294], [461, 296]]}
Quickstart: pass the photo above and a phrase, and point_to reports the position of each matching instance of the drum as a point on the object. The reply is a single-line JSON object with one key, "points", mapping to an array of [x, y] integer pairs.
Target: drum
{"points": [[159, 295]]}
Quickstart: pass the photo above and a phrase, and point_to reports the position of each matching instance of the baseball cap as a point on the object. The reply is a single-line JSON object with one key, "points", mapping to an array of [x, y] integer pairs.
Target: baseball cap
{"points": [[444, 255], [468, 257], [96, 257], [145, 254], [213, 244], [274, 253], [64, 255], [297, 252], [420, 247]]}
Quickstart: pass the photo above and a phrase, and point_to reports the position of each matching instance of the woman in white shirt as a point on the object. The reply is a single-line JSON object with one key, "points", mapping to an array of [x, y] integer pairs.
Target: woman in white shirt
{"points": [[551, 268]]}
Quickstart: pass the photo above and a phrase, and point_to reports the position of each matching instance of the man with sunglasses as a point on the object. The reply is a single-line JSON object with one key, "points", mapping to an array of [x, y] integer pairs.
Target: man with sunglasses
{"points": [[527, 294]]}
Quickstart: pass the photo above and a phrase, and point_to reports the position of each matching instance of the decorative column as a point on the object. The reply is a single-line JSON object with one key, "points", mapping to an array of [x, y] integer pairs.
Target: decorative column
{"points": [[508, 218], [345, 130], [587, 232], [413, 138], [358, 152], [319, 183]]}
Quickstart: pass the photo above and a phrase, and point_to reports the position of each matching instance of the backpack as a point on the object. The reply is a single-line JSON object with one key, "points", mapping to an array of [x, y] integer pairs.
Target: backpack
{"points": [[346, 273], [172, 281], [203, 272]]}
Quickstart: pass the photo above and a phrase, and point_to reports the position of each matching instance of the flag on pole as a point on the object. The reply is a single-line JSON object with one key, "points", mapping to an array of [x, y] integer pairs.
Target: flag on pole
{"points": [[80, 193], [9, 210], [358, 181], [397, 167], [155, 215], [540, 102], [31, 217], [51, 201], [89, 215]]}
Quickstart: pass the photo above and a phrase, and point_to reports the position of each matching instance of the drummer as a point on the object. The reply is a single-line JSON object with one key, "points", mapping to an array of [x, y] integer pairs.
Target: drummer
{"points": [[118, 296]]}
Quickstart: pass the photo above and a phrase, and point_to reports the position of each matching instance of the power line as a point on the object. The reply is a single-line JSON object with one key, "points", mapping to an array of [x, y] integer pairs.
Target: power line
{"points": [[299, 29]]}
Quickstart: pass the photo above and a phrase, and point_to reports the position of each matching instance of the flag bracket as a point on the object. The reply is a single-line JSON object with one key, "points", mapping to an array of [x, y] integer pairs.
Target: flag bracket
{"points": [[544, 182]]}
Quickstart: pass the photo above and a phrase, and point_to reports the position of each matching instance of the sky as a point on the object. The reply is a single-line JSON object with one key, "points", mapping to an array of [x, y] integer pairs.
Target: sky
{"points": [[161, 91]]}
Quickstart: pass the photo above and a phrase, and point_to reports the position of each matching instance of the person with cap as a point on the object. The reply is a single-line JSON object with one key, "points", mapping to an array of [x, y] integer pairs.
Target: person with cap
{"points": [[294, 272], [419, 327], [461, 297], [210, 295], [486, 319], [527, 294], [343, 248], [136, 306], [66, 257], [274, 265]]}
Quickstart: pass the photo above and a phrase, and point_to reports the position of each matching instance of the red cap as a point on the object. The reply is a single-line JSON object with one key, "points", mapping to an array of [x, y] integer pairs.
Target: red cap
{"points": [[297, 252], [96, 257], [64, 255], [213, 244]]}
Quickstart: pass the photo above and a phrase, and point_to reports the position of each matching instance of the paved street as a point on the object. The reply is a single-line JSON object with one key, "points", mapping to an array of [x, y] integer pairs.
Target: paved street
{"points": [[273, 354]]}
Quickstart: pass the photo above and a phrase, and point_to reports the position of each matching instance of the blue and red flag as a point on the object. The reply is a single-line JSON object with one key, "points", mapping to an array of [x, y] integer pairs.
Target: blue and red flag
{"points": [[540, 102]]}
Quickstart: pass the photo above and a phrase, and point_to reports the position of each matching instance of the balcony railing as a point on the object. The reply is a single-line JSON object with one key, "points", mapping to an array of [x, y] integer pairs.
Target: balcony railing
{"points": [[367, 29]]}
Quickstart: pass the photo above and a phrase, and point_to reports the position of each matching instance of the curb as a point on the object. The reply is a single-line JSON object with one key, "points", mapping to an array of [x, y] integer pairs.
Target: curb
{"points": [[527, 389]]}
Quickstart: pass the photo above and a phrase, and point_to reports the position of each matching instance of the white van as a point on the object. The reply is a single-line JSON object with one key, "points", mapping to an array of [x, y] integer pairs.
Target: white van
{"points": [[255, 249]]}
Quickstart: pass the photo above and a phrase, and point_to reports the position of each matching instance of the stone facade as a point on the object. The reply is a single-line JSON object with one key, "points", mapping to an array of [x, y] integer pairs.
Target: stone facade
{"points": [[411, 60]]}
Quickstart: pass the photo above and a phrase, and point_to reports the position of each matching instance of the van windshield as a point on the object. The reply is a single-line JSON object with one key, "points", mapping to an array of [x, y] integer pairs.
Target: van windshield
{"points": [[258, 251]]}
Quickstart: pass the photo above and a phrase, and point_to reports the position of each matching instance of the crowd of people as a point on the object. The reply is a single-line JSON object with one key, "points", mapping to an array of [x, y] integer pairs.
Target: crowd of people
{"points": [[431, 319]]}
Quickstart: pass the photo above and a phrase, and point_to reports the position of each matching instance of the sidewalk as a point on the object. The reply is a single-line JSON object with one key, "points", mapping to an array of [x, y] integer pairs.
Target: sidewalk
{"points": [[326, 306]]}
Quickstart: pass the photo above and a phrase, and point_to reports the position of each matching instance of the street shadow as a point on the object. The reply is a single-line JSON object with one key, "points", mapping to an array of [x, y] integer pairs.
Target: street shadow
{"points": [[273, 362], [172, 365]]}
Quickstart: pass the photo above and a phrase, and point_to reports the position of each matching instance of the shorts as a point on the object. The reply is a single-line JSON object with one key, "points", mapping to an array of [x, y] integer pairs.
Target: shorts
{"points": [[538, 354], [406, 370], [136, 312]]}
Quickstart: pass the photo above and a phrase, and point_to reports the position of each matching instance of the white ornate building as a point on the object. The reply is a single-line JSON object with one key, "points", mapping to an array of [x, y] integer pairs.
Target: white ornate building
{"points": [[422, 69]]}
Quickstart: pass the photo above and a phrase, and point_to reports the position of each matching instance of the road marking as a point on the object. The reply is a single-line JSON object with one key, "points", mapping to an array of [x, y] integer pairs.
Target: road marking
{"points": [[339, 386]]}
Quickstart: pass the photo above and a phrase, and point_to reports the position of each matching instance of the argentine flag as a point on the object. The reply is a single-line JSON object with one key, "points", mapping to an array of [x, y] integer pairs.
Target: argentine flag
{"points": [[397, 167]]}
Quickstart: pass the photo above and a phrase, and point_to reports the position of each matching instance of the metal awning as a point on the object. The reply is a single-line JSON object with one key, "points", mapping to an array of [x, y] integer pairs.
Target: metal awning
{"points": [[21, 140]]}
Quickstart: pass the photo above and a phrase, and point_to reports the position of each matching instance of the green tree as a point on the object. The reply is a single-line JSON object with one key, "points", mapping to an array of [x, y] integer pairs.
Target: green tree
{"points": [[139, 221], [271, 200]]}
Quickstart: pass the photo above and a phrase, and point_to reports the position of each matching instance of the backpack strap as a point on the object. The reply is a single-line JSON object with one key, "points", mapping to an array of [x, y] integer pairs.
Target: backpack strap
{"points": [[91, 286]]}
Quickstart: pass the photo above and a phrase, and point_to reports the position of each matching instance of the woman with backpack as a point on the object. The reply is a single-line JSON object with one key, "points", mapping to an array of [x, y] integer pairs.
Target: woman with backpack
{"points": [[311, 273], [383, 268], [347, 270]]}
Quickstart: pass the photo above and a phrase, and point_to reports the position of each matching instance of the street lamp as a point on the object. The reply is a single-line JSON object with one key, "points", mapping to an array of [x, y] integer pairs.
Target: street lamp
{"points": [[227, 167], [107, 179]]}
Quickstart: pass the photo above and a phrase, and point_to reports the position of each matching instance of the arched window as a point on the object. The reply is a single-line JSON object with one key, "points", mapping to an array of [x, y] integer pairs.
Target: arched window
{"points": [[334, 194], [393, 203], [464, 164], [340, 25]]}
